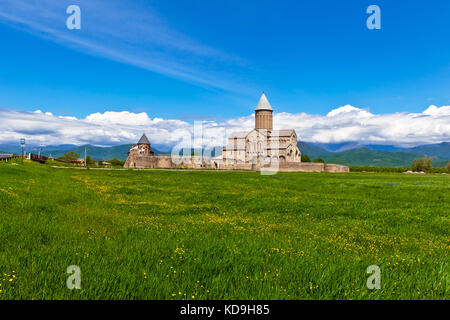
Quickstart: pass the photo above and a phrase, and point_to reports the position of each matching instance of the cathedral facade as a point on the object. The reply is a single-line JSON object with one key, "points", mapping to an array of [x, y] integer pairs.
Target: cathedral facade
{"points": [[262, 146]]}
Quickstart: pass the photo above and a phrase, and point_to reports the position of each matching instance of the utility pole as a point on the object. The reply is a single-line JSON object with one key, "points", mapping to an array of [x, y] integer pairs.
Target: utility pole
{"points": [[22, 144], [85, 164], [41, 146]]}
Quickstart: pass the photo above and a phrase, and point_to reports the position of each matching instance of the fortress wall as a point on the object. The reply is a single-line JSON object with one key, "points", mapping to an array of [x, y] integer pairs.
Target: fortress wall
{"points": [[164, 161], [197, 162], [290, 167], [331, 167], [238, 166], [192, 162], [311, 167], [302, 167], [140, 162], [167, 162]]}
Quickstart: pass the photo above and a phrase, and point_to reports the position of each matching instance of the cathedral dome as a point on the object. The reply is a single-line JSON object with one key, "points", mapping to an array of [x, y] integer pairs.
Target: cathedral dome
{"points": [[263, 104]]}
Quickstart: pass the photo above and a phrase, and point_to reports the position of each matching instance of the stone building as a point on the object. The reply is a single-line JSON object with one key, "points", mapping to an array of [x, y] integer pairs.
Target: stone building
{"points": [[6, 156], [142, 148], [141, 156], [259, 149], [262, 145]]}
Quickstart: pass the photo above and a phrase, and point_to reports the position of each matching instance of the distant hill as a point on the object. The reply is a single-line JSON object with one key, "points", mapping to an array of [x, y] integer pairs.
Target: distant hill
{"points": [[6, 148], [366, 156], [380, 147], [344, 146], [313, 151], [337, 147], [441, 150], [15, 148], [97, 153], [359, 157], [440, 163], [350, 154]]}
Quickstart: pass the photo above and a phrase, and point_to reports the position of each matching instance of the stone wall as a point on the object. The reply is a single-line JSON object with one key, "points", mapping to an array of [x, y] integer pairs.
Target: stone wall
{"points": [[311, 167], [331, 167], [197, 162], [140, 162], [166, 161], [239, 166], [290, 167], [302, 167]]}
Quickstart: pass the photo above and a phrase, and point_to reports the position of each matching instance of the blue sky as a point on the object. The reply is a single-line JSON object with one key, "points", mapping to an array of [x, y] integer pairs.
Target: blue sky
{"points": [[210, 60], [308, 56]]}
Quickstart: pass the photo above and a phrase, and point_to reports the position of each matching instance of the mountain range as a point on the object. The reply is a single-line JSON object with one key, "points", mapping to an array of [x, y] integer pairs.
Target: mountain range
{"points": [[376, 155], [351, 153]]}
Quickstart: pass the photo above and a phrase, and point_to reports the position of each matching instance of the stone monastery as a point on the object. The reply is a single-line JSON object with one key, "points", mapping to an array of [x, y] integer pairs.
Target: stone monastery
{"points": [[263, 144], [261, 148]]}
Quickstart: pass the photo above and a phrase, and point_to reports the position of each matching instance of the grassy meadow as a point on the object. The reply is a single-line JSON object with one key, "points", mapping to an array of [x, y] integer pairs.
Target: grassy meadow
{"points": [[222, 235]]}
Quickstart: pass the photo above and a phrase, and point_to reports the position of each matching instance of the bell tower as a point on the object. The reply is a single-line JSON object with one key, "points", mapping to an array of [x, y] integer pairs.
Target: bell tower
{"points": [[263, 114]]}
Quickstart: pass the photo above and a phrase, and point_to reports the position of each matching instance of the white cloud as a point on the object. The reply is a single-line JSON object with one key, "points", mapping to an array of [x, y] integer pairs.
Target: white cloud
{"points": [[349, 123], [123, 117], [342, 124], [346, 110], [436, 111]]}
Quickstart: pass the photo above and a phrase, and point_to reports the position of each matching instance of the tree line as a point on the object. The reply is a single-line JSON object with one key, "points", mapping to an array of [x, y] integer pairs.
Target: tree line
{"points": [[418, 165], [71, 156]]}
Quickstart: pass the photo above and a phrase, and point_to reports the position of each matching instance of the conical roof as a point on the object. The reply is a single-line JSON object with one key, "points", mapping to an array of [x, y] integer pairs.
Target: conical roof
{"points": [[263, 104], [143, 140]]}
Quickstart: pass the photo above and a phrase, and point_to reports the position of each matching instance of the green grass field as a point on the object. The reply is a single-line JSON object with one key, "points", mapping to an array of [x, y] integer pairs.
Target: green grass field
{"points": [[222, 235]]}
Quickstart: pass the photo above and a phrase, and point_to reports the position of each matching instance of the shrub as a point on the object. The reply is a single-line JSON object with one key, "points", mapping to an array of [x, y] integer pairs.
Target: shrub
{"points": [[319, 160], [89, 160], [390, 169], [305, 158], [69, 156], [377, 169], [422, 164], [116, 162]]}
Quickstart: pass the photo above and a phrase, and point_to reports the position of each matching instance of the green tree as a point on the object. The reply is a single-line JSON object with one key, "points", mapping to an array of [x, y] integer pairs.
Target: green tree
{"points": [[89, 160], [422, 164], [116, 162], [305, 158], [319, 160], [448, 166], [70, 156]]}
